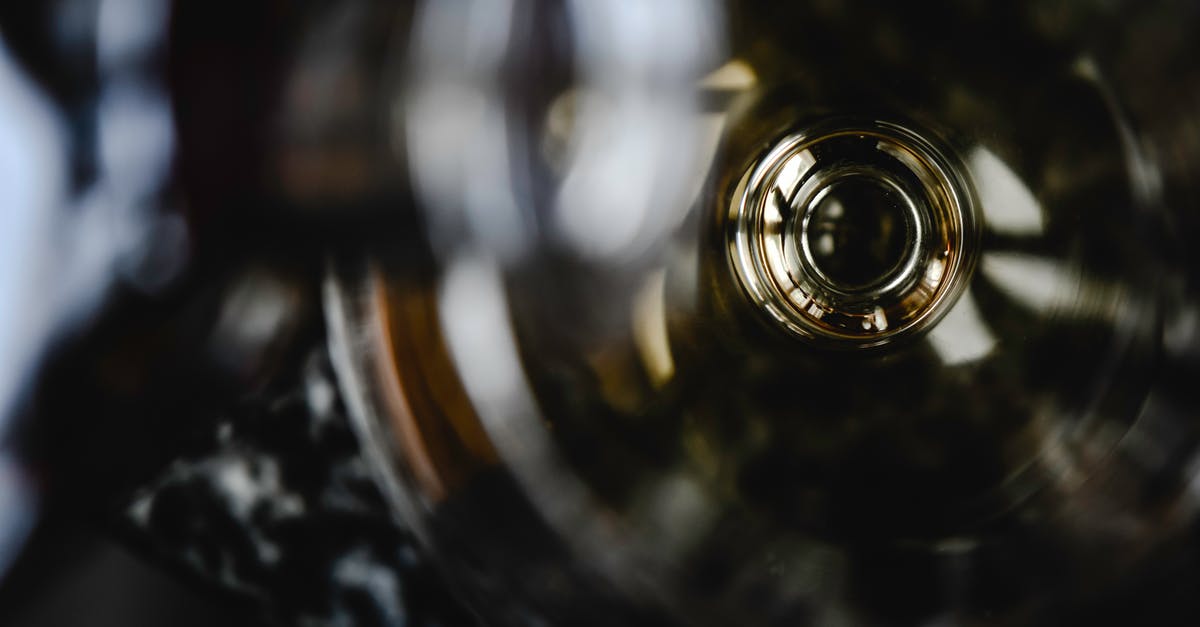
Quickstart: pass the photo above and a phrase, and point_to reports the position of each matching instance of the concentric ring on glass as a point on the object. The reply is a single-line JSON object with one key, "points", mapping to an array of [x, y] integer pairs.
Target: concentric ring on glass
{"points": [[853, 233]]}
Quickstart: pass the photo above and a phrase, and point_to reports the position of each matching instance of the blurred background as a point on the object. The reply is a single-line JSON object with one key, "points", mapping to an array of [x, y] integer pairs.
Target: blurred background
{"points": [[589, 312]]}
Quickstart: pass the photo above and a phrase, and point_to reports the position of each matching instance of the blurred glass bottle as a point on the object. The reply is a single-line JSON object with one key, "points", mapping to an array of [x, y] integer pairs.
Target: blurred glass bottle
{"points": [[766, 313], [742, 313], [870, 315]]}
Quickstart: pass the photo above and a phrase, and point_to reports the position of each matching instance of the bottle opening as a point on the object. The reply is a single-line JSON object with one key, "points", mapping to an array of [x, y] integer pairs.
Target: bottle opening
{"points": [[853, 233]]}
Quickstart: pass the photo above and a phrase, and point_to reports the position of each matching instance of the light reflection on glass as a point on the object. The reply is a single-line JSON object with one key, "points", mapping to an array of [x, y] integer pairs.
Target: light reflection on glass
{"points": [[664, 414], [1007, 204], [962, 336], [1043, 285]]}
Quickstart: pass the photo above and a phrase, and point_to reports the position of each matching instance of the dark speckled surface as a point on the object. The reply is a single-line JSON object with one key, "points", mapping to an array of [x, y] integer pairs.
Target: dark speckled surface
{"points": [[278, 507]]}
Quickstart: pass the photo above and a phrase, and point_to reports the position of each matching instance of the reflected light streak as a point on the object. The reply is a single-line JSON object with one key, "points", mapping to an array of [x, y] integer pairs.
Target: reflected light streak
{"points": [[457, 128], [473, 311], [605, 199], [1008, 205], [650, 329], [793, 171], [639, 147], [735, 75], [1040, 284], [961, 336], [32, 171]]}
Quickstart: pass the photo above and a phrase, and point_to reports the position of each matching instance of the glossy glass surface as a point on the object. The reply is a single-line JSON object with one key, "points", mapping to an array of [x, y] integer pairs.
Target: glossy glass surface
{"points": [[853, 233], [622, 357]]}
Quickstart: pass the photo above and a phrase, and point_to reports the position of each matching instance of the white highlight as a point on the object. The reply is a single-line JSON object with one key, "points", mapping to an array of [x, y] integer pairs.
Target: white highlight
{"points": [[1040, 284], [474, 312], [962, 336], [1008, 205], [32, 171], [735, 75], [650, 329]]}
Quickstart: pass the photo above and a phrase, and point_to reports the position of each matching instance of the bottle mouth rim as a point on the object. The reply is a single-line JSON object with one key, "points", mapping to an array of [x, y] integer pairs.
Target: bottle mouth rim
{"points": [[770, 249]]}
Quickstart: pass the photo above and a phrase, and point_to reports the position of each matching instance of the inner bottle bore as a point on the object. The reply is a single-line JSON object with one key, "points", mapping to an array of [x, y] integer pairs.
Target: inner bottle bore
{"points": [[857, 232]]}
